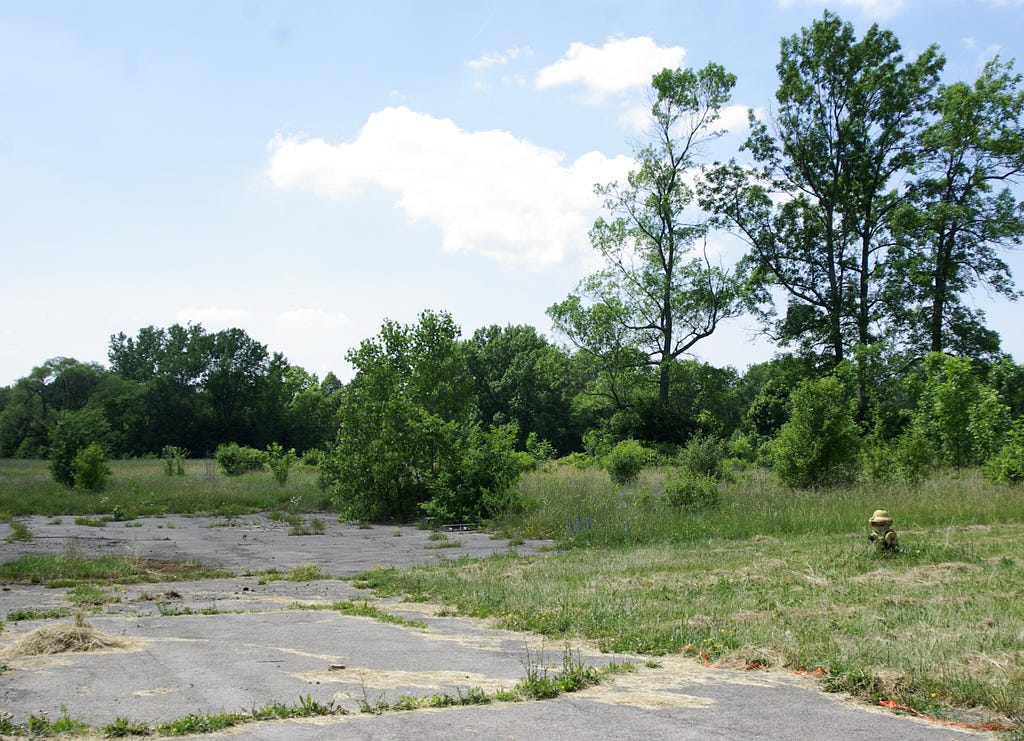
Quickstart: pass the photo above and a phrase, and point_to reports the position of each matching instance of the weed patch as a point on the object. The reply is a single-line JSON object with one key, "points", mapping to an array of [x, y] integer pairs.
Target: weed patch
{"points": [[28, 614], [194, 723], [92, 521], [362, 609], [71, 571], [303, 572], [19, 531], [538, 684]]}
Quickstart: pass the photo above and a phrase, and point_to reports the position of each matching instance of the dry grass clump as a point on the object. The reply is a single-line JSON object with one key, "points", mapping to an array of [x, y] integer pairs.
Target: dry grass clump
{"points": [[62, 638]]}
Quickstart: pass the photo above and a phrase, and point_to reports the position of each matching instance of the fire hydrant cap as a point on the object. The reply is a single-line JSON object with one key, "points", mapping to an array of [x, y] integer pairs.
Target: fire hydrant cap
{"points": [[881, 517]]}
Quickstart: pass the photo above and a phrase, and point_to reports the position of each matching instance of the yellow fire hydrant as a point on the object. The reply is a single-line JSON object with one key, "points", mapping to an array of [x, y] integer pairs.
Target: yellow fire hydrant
{"points": [[882, 534]]}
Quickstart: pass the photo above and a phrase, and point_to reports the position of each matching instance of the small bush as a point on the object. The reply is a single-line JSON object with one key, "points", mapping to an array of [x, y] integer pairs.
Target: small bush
{"points": [[703, 456], [692, 491], [479, 482], [73, 432], [820, 444], [280, 462], [313, 457], [742, 448], [625, 462], [1007, 465], [89, 469], [541, 450], [235, 459], [908, 458], [172, 458], [579, 461]]}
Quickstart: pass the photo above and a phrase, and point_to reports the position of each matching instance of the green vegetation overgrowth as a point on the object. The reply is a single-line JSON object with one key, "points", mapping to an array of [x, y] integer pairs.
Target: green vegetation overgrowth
{"points": [[141, 487], [772, 577], [583, 507], [70, 570]]}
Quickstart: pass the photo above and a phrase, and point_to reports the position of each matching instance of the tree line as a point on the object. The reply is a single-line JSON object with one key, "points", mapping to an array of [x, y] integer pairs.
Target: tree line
{"points": [[871, 201]]}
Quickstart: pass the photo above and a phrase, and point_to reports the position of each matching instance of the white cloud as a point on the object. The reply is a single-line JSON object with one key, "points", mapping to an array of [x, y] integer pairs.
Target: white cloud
{"points": [[874, 8], [734, 118], [497, 59], [487, 191], [299, 319], [635, 118], [212, 316], [617, 67]]}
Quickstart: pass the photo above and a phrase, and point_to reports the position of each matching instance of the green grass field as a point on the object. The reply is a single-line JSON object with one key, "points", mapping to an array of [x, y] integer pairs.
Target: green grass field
{"points": [[775, 578], [140, 487]]}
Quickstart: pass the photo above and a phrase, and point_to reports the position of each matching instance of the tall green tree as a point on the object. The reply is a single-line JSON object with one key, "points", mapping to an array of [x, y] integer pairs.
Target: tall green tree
{"points": [[519, 377], [310, 407], [962, 416], [659, 293], [238, 368], [959, 211], [816, 206], [34, 402], [200, 389]]}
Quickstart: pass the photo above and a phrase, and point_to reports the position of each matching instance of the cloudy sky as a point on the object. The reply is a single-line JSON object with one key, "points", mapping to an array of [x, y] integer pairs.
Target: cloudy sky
{"points": [[304, 170]]}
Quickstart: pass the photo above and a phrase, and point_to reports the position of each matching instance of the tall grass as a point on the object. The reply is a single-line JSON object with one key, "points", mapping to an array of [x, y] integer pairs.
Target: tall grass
{"points": [[140, 487], [583, 507]]}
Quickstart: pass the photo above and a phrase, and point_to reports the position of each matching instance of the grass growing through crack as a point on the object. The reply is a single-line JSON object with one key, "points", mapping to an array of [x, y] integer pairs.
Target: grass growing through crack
{"points": [[19, 531], [71, 570], [538, 684], [29, 614], [91, 595], [361, 609], [38, 726], [302, 572]]}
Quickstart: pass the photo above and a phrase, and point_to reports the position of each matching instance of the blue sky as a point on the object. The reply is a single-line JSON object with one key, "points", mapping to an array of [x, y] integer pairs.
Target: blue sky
{"points": [[304, 170]]}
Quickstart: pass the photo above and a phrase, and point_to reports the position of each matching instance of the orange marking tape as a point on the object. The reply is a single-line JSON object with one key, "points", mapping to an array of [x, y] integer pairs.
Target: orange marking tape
{"points": [[892, 705]]}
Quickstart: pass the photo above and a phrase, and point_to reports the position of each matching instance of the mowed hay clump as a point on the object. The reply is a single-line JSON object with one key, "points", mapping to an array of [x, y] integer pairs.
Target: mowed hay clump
{"points": [[63, 638]]}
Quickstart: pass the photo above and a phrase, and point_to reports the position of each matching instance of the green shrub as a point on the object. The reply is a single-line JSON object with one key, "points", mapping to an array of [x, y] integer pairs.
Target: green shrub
{"points": [[313, 457], [742, 448], [579, 461], [988, 422], [1007, 465], [280, 462], [172, 458], [89, 469], [820, 444], [692, 491], [908, 458], [478, 483], [235, 459], [625, 462], [73, 432], [704, 456], [541, 450]]}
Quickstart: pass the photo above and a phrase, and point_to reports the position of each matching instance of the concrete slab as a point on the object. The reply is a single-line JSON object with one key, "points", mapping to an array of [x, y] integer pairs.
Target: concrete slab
{"points": [[255, 542], [276, 641]]}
